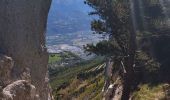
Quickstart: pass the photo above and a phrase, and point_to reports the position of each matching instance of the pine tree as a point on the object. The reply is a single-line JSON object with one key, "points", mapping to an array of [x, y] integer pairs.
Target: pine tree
{"points": [[122, 21], [116, 21]]}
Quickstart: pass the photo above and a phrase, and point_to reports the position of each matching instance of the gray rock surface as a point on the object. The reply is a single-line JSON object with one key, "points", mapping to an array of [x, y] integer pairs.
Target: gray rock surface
{"points": [[6, 65], [22, 39], [19, 90]]}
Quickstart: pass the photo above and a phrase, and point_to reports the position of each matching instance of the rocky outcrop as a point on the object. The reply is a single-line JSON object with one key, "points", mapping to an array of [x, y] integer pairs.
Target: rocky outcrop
{"points": [[19, 90], [6, 65], [23, 55]]}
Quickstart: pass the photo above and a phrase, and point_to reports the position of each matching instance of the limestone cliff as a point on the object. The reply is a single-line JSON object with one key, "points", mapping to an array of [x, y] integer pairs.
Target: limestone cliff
{"points": [[23, 55]]}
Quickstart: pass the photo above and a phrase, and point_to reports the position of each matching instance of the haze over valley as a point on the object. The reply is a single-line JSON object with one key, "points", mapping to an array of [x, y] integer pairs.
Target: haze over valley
{"points": [[69, 27]]}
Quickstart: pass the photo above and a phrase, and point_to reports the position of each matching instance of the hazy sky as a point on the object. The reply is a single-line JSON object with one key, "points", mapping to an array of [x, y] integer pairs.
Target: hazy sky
{"points": [[68, 14], [72, 4]]}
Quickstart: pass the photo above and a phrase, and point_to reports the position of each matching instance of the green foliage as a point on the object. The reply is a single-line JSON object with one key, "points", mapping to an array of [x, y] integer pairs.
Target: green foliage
{"points": [[104, 48], [149, 92], [66, 75], [58, 57], [54, 58], [149, 67], [112, 23], [89, 74], [93, 89]]}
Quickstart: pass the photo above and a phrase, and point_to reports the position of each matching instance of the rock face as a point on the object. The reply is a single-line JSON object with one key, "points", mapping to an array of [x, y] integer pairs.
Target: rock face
{"points": [[6, 65], [19, 90], [23, 55]]}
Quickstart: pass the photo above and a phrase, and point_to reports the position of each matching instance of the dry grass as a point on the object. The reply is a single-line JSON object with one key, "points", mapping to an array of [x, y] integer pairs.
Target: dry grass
{"points": [[149, 92]]}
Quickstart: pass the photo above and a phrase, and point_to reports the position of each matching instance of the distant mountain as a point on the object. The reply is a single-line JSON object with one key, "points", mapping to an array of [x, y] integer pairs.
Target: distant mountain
{"points": [[69, 27], [68, 16]]}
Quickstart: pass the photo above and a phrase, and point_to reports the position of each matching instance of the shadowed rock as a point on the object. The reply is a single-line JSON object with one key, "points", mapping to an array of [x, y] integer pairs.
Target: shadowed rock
{"points": [[6, 65], [22, 37]]}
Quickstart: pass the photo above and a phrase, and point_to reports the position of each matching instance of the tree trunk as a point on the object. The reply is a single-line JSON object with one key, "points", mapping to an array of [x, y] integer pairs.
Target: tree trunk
{"points": [[130, 60], [22, 37], [108, 73]]}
